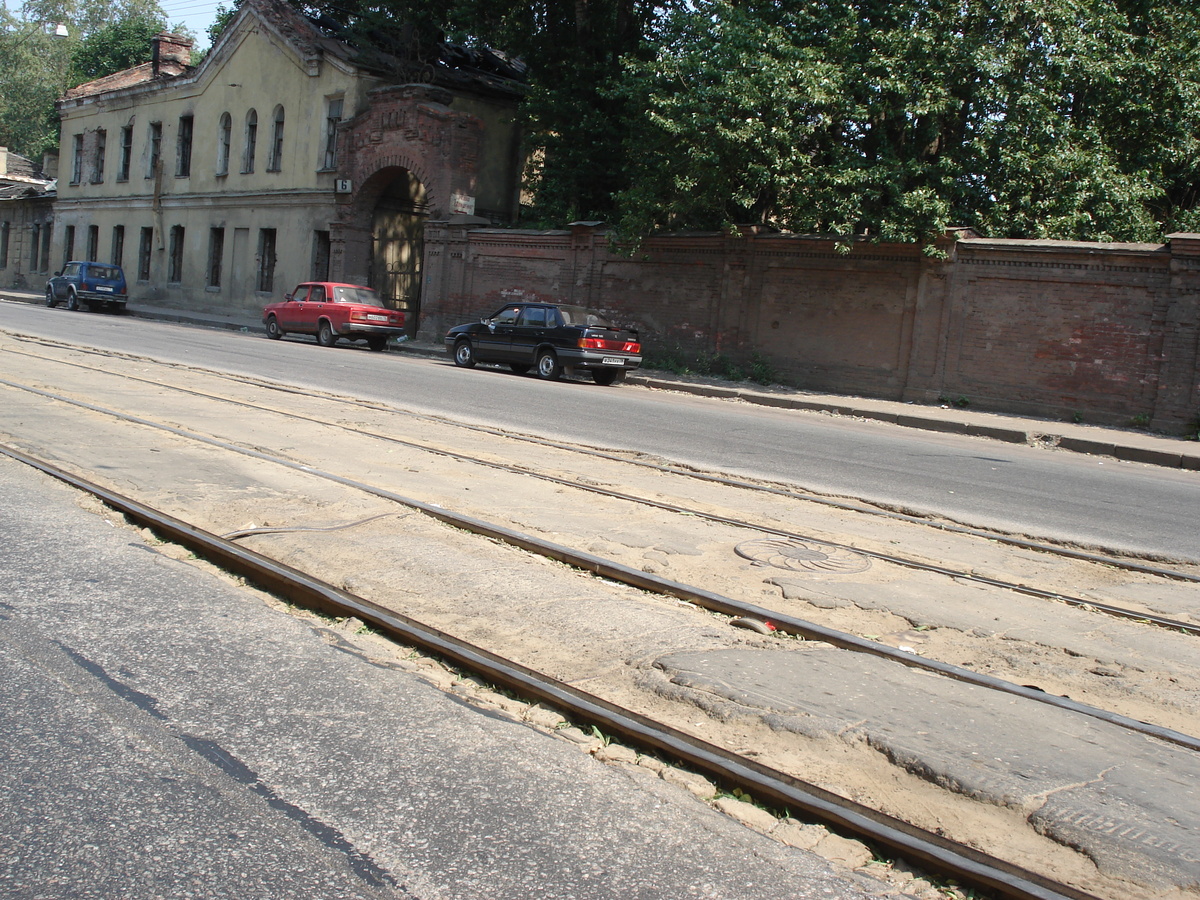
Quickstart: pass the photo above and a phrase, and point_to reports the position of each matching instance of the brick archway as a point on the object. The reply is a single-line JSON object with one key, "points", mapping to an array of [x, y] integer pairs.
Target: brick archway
{"points": [[405, 127]]}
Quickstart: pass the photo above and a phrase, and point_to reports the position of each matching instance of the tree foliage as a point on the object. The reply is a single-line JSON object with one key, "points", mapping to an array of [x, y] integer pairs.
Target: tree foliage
{"points": [[1061, 118], [121, 44], [37, 66]]}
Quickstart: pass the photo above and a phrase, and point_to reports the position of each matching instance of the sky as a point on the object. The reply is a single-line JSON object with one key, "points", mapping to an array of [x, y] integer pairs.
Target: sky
{"points": [[196, 15]]}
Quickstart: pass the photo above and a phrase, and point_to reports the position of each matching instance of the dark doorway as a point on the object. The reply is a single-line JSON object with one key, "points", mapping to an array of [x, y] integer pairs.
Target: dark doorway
{"points": [[397, 231]]}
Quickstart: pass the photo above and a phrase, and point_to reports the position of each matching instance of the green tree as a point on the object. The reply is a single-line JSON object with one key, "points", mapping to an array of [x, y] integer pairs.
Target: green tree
{"points": [[36, 63], [33, 74], [122, 44], [1064, 118]]}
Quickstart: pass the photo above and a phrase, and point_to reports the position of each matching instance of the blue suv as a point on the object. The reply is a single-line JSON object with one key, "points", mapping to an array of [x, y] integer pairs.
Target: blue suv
{"points": [[93, 284]]}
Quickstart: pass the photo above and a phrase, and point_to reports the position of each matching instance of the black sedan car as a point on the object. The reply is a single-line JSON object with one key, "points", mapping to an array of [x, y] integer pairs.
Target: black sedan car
{"points": [[550, 338]]}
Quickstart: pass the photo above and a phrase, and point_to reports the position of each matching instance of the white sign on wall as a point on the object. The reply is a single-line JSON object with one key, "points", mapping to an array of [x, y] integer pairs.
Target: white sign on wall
{"points": [[462, 203]]}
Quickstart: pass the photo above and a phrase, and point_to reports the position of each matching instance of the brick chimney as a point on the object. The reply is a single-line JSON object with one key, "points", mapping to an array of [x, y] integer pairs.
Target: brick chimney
{"points": [[172, 53]]}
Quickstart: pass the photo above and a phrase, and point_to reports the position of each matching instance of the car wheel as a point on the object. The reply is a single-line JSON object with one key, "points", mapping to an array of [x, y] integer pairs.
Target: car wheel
{"points": [[464, 354], [273, 330], [548, 367], [377, 342], [72, 301], [51, 300], [608, 376], [325, 335], [519, 368]]}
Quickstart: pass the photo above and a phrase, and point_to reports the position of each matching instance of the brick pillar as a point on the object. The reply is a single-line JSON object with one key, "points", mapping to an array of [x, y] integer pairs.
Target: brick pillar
{"points": [[445, 302], [924, 377], [582, 286], [1177, 404]]}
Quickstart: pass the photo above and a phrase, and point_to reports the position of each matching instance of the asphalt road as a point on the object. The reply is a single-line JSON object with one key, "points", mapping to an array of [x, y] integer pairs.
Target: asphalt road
{"points": [[1097, 503]]}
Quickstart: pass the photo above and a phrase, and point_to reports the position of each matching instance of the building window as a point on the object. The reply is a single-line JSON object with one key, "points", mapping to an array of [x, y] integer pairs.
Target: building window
{"points": [[34, 233], [93, 244], [251, 142], [45, 263], [183, 147], [175, 256], [266, 260], [117, 256], [224, 134], [4, 228], [216, 250], [68, 243], [320, 266], [126, 153], [155, 149], [145, 249], [333, 115], [275, 163], [98, 156], [77, 160]]}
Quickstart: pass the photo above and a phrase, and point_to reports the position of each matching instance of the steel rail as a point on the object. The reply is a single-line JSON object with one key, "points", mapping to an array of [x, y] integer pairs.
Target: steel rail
{"points": [[1120, 612], [965, 864], [619, 572]]}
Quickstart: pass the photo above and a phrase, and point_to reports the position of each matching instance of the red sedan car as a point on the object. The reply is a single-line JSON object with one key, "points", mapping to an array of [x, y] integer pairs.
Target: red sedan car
{"points": [[330, 311]]}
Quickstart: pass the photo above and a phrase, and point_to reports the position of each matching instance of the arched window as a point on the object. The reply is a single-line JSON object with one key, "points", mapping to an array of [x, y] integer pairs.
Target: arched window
{"points": [[224, 136], [251, 141], [275, 163]]}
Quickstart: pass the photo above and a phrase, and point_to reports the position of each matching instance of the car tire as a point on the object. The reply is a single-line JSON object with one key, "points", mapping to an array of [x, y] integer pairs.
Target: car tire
{"points": [[519, 368], [72, 301], [51, 300], [377, 342], [464, 354], [606, 377], [548, 367], [273, 330], [325, 335]]}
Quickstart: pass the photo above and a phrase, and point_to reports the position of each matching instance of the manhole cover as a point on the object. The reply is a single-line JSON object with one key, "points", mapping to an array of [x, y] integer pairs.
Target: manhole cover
{"points": [[803, 556]]}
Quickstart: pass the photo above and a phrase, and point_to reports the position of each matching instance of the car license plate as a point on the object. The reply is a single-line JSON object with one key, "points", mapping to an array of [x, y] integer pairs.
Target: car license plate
{"points": [[106, 290], [376, 318], [613, 361]]}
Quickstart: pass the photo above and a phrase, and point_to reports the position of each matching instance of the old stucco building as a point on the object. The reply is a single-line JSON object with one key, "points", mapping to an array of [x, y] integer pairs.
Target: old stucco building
{"points": [[285, 155], [26, 220]]}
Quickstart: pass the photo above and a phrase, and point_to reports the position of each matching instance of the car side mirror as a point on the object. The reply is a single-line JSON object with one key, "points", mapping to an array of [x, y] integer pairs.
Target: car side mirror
{"points": [[58, 274]]}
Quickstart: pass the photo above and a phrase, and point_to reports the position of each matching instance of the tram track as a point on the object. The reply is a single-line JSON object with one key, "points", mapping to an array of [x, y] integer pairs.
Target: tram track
{"points": [[1115, 610], [712, 600], [298, 458], [940, 854], [607, 568]]}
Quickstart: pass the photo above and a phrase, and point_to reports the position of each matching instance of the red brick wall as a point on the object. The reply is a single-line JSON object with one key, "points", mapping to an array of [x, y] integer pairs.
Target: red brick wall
{"points": [[1104, 332]]}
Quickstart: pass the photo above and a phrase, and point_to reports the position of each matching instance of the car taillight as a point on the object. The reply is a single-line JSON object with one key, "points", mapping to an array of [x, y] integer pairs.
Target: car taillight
{"points": [[593, 343]]}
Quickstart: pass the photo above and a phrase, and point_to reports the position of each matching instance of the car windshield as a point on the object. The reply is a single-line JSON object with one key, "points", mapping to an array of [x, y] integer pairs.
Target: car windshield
{"points": [[577, 315], [363, 295], [110, 273]]}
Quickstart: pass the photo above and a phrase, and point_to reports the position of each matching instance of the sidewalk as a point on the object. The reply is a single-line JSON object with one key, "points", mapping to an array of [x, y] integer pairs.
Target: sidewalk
{"points": [[1124, 444]]}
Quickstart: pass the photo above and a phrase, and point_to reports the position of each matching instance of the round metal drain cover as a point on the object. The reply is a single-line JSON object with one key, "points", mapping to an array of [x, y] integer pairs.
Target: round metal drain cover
{"points": [[803, 556]]}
